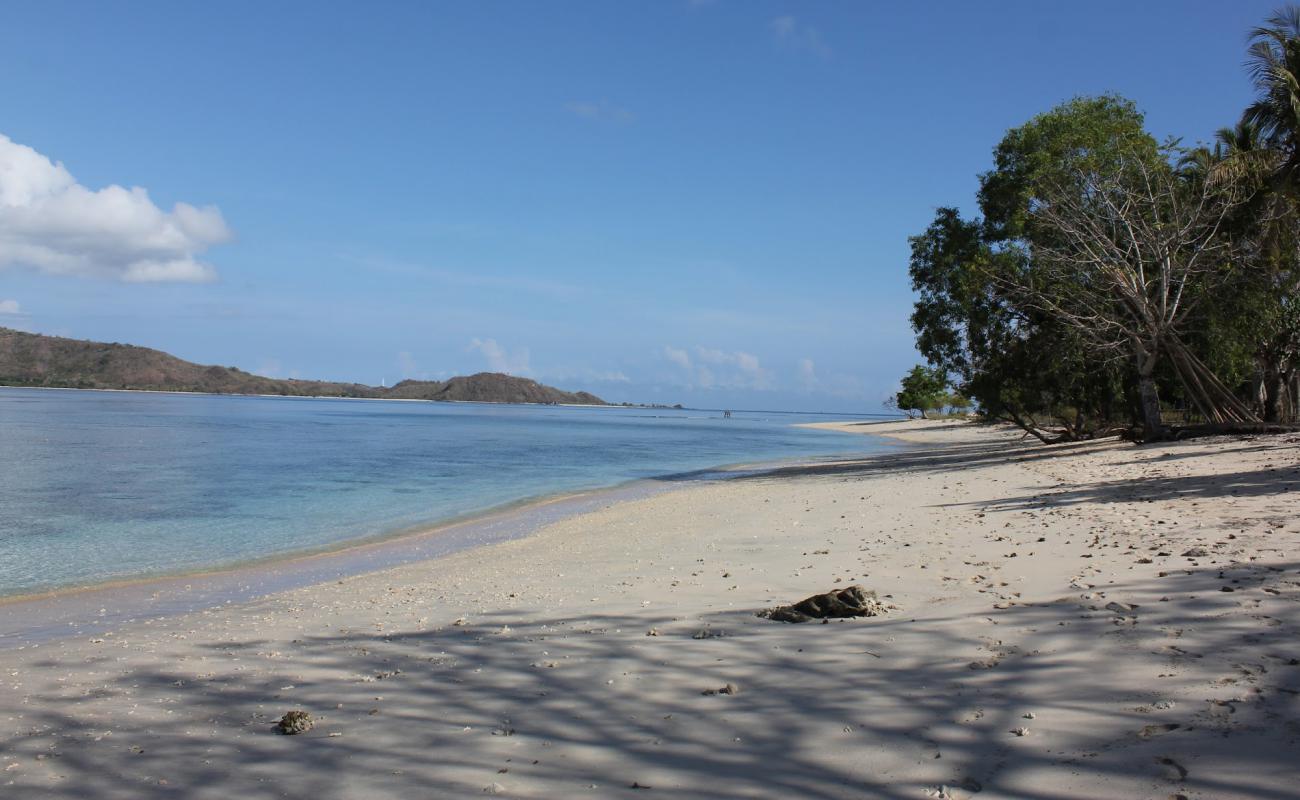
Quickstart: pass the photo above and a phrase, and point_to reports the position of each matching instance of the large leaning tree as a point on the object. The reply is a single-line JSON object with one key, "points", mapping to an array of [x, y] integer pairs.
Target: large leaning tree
{"points": [[1123, 250], [1094, 282], [979, 313]]}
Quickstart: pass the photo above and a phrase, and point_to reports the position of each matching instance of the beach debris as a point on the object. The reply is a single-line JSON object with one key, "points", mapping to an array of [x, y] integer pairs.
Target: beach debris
{"points": [[961, 791], [494, 788], [1150, 731], [503, 729], [652, 632], [1120, 608], [730, 688], [294, 722], [1020, 731], [852, 601], [1196, 552]]}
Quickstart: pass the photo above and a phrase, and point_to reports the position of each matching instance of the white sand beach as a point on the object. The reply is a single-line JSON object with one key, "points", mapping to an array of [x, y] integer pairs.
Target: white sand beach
{"points": [[1094, 620]]}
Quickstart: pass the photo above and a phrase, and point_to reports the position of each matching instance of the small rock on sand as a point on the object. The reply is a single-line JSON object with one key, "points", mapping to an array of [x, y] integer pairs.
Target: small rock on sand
{"points": [[295, 722]]}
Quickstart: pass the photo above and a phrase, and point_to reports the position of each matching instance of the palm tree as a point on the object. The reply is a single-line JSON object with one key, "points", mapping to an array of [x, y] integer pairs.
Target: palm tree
{"points": [[1244, 137], [1199, 162], [1239, 154], [1273, 61], [1266, 146]]}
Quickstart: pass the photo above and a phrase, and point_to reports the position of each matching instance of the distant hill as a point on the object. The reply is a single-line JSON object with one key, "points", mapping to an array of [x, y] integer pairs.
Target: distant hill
{"points": [[30, 359]]}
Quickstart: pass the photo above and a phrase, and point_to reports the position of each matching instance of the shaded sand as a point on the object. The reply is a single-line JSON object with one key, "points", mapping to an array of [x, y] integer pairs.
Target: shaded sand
{"points": [[1050, 640]]}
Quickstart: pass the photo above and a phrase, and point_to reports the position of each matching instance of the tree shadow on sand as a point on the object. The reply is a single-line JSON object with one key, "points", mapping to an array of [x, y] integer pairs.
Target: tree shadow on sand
{"points": [[951, 458], [589, 705]]}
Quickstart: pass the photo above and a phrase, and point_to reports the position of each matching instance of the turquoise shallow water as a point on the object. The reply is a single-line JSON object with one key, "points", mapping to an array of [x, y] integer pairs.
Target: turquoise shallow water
{"points": [[100, 486]]}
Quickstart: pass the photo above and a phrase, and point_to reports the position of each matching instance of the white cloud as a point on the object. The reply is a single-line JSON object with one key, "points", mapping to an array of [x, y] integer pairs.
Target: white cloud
{"points": [[602, 110], [721, 368], [791, 35], [53, 224], [711, 356], [679, 357], [10, 307], [500, 359], [746, 364]]}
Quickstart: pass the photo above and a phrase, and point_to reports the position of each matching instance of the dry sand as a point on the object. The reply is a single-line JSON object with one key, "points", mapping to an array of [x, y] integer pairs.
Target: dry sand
{"points": [[1052, 639]]}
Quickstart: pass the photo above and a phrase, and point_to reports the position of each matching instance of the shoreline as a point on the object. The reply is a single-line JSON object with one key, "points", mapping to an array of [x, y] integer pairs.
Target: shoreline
{"points": [[36, 617], [347, 540], [1100, 619]]}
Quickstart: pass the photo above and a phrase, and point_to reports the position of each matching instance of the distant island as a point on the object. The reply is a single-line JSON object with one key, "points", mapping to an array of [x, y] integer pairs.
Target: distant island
{"points": [[30, 359]]}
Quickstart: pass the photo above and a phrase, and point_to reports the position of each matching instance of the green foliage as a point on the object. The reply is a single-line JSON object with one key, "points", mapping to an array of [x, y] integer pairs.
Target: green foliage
{"points": [[1088, 133], [1011, 358], [957, 403], [1023, 306], [923, 389]]}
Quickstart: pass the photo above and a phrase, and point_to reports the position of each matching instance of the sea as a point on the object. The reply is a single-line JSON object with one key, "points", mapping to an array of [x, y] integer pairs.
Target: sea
{"points": [[99, 487]]}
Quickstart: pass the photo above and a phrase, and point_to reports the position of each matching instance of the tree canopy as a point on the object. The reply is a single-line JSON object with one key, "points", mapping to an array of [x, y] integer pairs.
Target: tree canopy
{"points": [[923, 389]]}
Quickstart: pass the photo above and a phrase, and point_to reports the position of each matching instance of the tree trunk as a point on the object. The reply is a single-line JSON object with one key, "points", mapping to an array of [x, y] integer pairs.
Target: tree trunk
{"points": [[1274, 388], [1153, 427]]}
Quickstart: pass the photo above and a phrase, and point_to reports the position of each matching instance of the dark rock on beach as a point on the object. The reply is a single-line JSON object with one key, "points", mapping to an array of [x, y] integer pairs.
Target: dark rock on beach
{"points": [[294, 722], [853, 601]]}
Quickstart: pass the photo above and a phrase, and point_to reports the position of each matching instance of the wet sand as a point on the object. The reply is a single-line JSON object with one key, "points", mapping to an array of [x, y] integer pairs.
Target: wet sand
{"points": [[1080, 621]]}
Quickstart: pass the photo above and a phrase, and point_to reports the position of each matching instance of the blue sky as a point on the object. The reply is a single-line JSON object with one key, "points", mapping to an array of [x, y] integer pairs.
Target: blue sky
{"points": [[696, 202]]}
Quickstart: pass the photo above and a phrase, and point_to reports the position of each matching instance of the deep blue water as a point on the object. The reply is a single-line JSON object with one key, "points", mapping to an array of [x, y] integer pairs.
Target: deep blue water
{"points": [[96, 486]]}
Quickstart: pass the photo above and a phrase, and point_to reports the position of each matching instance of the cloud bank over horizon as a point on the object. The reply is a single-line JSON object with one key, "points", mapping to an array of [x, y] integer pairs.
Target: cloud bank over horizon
{"points": [[51, 223]]}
